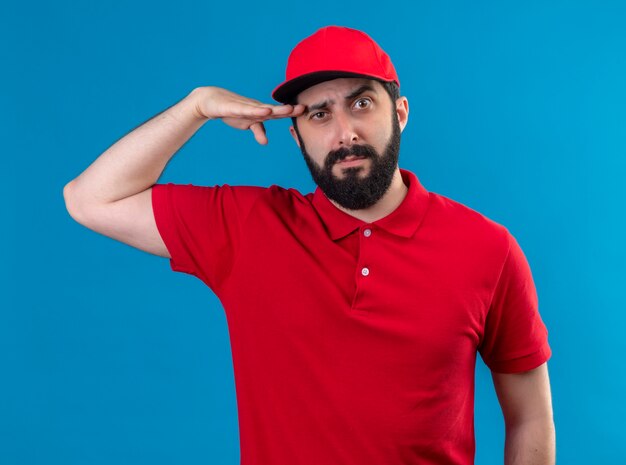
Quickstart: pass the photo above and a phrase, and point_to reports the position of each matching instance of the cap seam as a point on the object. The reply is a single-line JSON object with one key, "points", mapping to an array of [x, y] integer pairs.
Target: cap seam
{"points": [[377, 55]]}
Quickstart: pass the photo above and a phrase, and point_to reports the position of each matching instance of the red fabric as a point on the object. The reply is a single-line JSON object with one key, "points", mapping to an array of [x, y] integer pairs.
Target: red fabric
{"points": [[336, 367], [332, 51]]}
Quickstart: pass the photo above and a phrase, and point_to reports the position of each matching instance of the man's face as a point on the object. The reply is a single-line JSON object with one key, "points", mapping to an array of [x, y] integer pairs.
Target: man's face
{"points": [[349, 135]]}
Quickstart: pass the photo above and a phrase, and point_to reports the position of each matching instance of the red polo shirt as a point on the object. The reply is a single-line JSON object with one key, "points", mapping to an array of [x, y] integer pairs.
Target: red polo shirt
{"points": [[355, 343]]}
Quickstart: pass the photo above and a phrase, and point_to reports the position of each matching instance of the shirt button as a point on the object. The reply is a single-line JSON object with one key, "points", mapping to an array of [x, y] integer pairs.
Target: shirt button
{"points": [[365, 271], [367, 232]]}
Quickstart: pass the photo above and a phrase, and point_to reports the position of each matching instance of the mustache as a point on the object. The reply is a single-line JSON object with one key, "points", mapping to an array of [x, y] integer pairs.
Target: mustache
{"points": [[365, 151]]}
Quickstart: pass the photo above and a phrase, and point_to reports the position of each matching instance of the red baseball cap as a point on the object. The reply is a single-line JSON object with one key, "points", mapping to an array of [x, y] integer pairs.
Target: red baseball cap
{"points": [[330, 53]]}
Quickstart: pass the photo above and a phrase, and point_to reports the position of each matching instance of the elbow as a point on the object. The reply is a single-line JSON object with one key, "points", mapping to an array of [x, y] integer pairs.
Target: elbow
{"points": [[70, 203], [66, 196]]}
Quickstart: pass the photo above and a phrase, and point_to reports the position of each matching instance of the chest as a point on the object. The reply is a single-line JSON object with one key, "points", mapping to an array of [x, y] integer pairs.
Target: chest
{"points": [[426, 294]]}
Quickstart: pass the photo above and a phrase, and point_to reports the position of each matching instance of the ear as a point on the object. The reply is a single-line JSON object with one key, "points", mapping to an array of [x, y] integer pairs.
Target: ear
{"points": [[402, 110], [292, 131]]}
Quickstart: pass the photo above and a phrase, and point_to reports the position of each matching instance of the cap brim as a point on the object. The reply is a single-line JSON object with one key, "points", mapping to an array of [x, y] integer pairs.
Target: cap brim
{"points": [[288, 90]]}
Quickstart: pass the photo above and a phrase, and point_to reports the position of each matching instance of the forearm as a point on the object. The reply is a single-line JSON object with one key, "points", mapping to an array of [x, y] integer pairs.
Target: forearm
{"points": [[530, 443], [135, 162]]}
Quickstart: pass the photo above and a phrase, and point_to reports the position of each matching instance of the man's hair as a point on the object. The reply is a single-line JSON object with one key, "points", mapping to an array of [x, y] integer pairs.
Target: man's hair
{"points": [[391, 88]]}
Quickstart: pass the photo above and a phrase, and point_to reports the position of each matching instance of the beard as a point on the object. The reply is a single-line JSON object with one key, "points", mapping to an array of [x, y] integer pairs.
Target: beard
{"points": [[353, 191]]}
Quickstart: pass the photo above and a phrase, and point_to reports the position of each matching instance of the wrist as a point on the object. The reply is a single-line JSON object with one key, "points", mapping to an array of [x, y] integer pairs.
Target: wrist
{"points": [[197, 99]]}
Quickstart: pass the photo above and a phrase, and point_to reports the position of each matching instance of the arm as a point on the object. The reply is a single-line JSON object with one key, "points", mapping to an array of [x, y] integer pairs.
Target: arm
{"points": [[113, 195], [527, 408]]}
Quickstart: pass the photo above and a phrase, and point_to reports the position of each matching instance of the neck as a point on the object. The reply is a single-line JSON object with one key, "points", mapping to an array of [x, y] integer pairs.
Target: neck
{"points": [[389, 202]]}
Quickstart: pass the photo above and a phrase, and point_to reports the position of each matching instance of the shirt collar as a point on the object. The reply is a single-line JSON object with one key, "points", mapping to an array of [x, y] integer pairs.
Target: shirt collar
{"points": [[403, 221]]}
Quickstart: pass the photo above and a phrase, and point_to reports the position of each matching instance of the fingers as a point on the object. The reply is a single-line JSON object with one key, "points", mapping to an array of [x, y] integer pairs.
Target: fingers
{"points": [[267, 111], [217, 103], [244, 113], [247, 110], [277, 111], [259, 133], [289, 111], [286, 111]]}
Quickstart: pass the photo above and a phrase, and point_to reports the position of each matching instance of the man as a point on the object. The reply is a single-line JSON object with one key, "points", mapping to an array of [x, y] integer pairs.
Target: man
{"points": [[355, 312]]}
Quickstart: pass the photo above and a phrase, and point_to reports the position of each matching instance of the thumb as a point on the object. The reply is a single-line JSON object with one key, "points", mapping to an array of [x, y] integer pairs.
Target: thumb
{"points": [[258, 129]]}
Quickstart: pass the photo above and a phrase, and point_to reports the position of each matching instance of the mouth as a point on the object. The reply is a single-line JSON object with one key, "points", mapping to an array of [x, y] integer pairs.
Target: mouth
{"points": [[351, 160]]}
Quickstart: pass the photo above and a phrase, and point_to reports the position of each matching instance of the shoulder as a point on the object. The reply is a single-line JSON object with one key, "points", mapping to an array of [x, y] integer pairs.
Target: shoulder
{"points": [[273, 195], [455, 212], [467, 225], [199, 190], [285, 199], [280, 193]]}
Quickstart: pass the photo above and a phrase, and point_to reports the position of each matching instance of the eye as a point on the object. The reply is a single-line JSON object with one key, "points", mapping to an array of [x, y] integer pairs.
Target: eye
{"points": [[362, 103], [317, 115]]}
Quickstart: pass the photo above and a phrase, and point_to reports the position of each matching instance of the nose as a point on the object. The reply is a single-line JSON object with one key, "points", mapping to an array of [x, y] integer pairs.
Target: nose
{"points": [[346, 132]]}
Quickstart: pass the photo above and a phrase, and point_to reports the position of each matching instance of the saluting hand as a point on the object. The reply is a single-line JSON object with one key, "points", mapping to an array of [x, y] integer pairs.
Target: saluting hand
{"points": [[240, 112]]}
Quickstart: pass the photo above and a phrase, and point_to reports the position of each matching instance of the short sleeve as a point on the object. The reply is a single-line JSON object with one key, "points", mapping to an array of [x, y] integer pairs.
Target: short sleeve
{"points": [[515, 338], [202, 226]]}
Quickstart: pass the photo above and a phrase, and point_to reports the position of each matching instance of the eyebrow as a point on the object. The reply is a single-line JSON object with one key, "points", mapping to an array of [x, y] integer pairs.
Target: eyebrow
{"points": [[358, 91]]}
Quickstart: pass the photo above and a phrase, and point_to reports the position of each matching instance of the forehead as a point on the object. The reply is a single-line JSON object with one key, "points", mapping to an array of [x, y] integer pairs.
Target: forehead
{"points": [[338, 88]]}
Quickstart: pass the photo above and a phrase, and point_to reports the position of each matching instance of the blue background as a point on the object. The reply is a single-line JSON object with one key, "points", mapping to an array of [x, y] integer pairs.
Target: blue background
{"points": [[518, 110]]}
